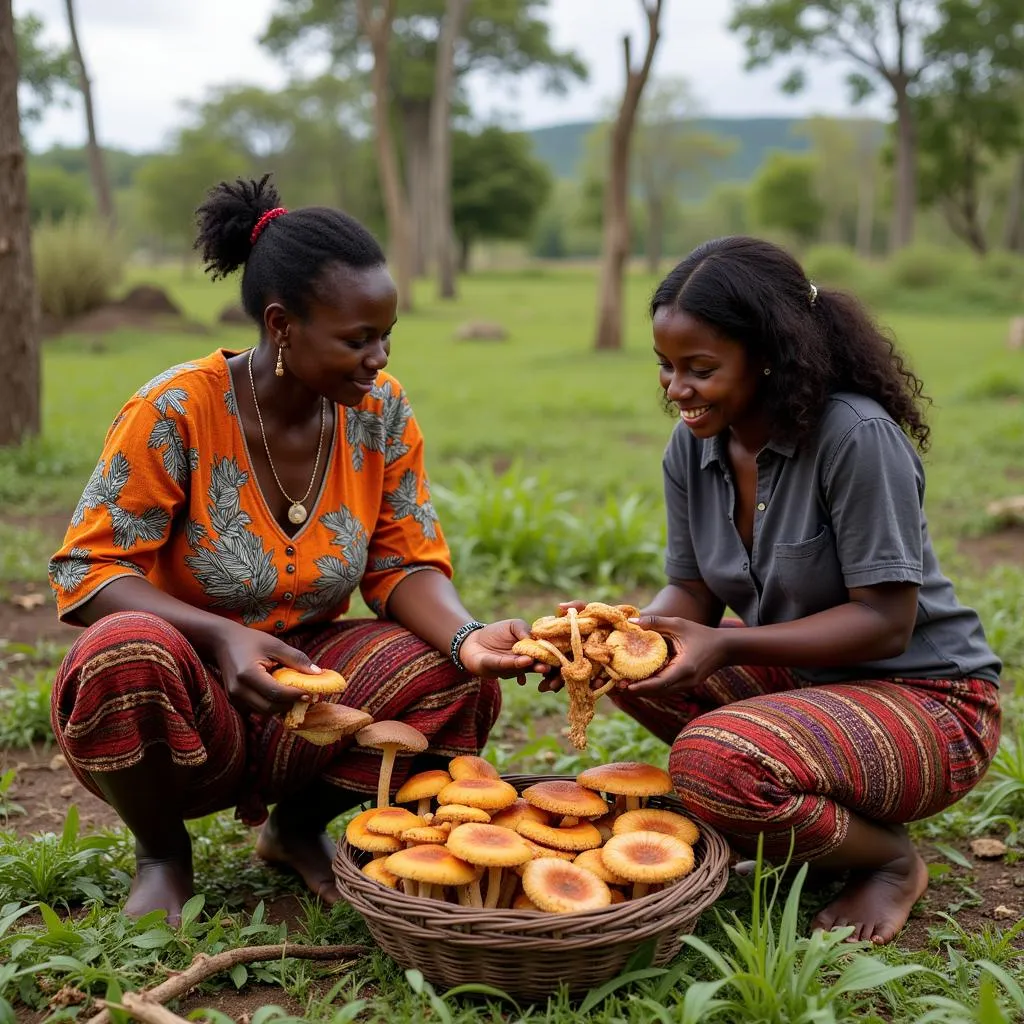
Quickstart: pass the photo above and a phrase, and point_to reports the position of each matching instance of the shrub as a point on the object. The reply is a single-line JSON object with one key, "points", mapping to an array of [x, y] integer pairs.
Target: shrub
{"points": [[835, 266], [919, 268], [78, 264]]}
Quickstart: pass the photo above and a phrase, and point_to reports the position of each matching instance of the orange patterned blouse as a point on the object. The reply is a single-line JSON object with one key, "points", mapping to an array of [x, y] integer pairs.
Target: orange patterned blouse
{"points": [[174, 499]]}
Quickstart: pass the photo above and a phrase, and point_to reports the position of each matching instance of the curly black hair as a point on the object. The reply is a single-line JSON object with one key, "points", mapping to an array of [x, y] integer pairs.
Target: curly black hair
{"points": [[291, 253], [757, 294]]}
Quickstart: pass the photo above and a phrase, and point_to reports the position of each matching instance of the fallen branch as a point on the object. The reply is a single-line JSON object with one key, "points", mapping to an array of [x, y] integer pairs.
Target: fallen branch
{"points": [[205, 966], [144, 1009]]}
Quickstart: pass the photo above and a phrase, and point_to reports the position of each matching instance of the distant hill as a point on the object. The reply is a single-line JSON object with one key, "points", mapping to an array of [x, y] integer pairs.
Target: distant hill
{"points": [[561, 146]]}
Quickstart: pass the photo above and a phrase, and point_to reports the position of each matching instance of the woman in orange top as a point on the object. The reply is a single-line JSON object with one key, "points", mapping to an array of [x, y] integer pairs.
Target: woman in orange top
{"points": [[239, 501]]}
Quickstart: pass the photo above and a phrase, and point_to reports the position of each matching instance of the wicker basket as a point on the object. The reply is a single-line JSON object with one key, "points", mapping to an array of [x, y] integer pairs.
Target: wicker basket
{"points": [[528, 954]]}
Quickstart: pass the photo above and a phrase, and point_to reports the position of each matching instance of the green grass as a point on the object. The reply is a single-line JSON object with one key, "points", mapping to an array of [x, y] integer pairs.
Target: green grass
{"points": [[546, 464]]}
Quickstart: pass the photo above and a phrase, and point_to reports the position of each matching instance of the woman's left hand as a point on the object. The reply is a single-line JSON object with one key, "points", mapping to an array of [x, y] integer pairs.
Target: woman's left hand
{"points": [[694, 653], [487, 652]]}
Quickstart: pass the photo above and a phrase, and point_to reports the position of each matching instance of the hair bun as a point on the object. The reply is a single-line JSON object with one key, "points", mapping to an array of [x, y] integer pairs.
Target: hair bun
{"points": [[226, 219]]}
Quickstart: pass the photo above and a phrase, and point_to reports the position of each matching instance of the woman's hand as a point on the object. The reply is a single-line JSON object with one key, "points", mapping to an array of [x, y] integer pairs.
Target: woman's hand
{"points": [[246, 658], [488, 653], [695, 652]]}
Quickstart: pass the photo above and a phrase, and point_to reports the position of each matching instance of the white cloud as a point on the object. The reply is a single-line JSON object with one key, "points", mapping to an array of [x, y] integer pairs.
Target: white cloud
{"points": [[147, 56]]}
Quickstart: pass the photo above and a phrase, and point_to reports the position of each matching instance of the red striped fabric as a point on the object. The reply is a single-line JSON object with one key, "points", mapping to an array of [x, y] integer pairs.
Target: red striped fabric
{"points": [[131, 680], [758, 749]]}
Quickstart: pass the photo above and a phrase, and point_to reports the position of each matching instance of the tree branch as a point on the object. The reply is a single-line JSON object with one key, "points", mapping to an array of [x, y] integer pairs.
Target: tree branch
{"points": [[205, 966]]}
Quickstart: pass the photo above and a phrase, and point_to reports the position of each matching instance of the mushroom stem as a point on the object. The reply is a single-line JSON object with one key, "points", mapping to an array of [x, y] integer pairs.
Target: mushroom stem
{"points": [[508, 889], [633, 803], [462, 892], [475, 899], [640, 889], [493, 886], [387, 766], [423, 807], [408, 887], [424, 890], [602, 690]]}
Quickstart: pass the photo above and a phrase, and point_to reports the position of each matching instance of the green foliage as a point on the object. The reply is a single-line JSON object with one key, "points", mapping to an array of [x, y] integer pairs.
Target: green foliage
{"points": [[173, 184], [46, 71], [921, 267], [66, 868], [78, 264], [25, 711], [784, 197], [7, 803], [498, 186], [835, 266], [54, 194]]}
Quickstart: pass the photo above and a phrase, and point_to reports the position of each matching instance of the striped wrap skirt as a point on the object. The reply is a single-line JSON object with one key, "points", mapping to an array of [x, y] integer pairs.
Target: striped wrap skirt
{"points": [[131, 681], [761, 750]]}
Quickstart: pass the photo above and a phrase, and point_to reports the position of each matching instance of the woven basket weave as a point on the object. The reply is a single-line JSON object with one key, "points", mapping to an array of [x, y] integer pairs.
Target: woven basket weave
{"points": [[529, 954]]}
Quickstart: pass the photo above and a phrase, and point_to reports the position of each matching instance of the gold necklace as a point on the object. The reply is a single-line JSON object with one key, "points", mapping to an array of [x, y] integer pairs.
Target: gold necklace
{"points": [[297, 510]]}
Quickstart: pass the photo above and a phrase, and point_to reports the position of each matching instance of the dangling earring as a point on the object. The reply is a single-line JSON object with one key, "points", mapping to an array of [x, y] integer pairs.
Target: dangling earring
{"points": [[767, 371], [279, 368]]}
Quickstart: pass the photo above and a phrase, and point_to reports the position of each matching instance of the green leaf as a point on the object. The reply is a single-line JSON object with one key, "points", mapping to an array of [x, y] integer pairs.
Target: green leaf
{"points": [[155, 938], [865, 972], [239, 975], [268, 1012], [113, 996], [191, 911], [1005, 979], [596, 996], [415, 979], [954, 855], [70, 833], [348, 1013], [479, 989], [213, 1016]]}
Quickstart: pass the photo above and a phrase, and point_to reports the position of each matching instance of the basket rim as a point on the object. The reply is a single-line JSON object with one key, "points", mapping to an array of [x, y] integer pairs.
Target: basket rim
{"points": [[670, 908]]}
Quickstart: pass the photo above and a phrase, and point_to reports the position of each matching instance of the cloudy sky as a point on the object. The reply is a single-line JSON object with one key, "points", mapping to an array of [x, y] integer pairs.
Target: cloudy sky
{"points": [[147, 56]]}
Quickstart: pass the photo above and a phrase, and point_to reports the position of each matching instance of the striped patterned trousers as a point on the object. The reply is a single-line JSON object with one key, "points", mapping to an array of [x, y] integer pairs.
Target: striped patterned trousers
{"points": [[759, 749], [131, 681]]}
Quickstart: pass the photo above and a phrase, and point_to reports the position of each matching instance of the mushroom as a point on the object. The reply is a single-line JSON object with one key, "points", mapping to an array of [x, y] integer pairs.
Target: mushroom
{"points": [[637, 653], [459, 813], [508, 817], [377, 870], [523, 902], [564, 797], [359, 836], [593, 861], [562, 888], [318, 685], [390, 737], [429, 866], [652, 819], [491, 847], [425, 835], [392, 821], [327, 723], [469, 766], [632, 779], [647, 857], [487, 794], [422, 788], [582, 836]]}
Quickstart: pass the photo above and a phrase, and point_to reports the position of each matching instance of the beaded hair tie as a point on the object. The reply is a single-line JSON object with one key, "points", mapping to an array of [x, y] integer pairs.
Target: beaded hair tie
{"points": [[278, 211]]}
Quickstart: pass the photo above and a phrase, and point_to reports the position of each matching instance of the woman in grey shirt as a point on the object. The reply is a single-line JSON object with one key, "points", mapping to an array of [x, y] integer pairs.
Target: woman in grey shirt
{"points": [[862, 695]]}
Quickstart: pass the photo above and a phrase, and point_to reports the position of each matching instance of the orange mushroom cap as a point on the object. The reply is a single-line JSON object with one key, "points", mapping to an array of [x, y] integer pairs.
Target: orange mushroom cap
{"points": [[457, 813], [487, 794], [637, 653], [377, 870], [326, 681], [422, 786], [325, 723], [647, 856], [392, 821], [470, 766], [627, 778], [563, 888], [593, 861], [562, 796], [435, 865], [362, 838], [507, 817], [488, 845], [653, 819], [574, 837], [425, 834]]}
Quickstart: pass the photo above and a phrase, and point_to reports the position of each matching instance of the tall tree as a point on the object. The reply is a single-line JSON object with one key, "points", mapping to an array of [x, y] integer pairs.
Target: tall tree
{"points": [[783, 195], [376, 20], [97, 167], [441, 147], [45, 72], [503, 37], [880, 38], [19, 339], [971, 108], [670, 152], [615, 240]]}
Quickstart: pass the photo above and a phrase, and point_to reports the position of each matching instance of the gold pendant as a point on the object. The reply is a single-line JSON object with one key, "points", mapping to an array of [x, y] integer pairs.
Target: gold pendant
{"points": [[297, 513]]}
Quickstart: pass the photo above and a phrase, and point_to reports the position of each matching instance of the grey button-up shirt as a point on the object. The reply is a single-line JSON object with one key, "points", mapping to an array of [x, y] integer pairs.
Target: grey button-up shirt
{"points": [[843, 510]]}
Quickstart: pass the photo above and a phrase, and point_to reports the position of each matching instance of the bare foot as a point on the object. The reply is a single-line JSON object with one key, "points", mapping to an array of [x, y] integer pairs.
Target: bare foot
{"points": [[877, 903], [309, 856], [160, 885]]}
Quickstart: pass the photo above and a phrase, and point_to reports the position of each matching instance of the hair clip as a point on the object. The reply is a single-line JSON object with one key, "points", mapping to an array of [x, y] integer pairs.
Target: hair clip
{"points": [[813, 293]]}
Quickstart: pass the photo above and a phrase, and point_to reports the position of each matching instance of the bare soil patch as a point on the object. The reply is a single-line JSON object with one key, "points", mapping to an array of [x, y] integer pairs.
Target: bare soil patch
{"points": [[1002, 547], [145, 307]]}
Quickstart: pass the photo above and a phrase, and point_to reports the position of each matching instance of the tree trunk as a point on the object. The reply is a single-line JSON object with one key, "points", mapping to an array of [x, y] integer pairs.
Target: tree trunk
{"points": [[615, 243], [1013, 238], [97, 167], [905, 204], [441, 148], [376, 22], [415, 115], [19, 338]]}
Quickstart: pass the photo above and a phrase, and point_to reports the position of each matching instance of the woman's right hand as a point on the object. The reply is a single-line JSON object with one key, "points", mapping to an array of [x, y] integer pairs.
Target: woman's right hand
{"points": [[246, 658]]}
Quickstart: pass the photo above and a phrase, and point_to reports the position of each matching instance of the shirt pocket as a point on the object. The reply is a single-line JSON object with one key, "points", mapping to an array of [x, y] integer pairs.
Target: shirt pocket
{"points": [[809, 574]]}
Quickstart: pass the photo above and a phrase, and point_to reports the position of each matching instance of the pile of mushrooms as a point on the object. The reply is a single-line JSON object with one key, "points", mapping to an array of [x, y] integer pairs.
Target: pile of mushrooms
{"points": [[593, 649], [467, 837]]}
